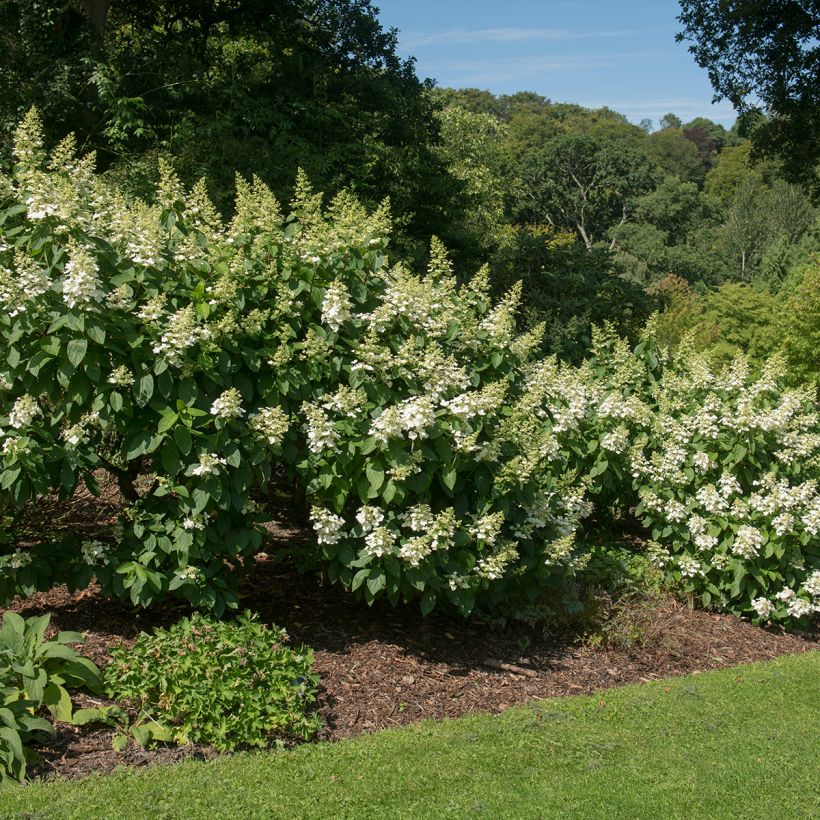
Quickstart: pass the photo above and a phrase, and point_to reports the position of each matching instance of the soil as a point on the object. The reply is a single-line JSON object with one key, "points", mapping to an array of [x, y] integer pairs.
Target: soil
{"points": [[381, 667]]}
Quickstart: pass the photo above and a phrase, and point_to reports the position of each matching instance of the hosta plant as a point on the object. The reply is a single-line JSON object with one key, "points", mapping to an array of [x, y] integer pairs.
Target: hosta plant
{"points": [[35, 678]]}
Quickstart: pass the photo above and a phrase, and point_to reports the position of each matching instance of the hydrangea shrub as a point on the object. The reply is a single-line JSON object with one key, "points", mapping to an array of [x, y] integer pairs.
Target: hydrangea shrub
{"points": [[442, 460], [186, 357], [727, 480], [721, 466]]}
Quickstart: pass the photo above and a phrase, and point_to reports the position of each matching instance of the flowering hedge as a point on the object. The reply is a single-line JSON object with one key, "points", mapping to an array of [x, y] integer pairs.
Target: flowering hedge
{"points": [[727, 479], [724, 468], [442, 460], [186, 357]]}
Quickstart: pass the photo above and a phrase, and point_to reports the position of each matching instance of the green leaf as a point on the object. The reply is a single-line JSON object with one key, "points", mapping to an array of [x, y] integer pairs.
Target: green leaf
{"points": [[448, 478], [95, 331], [109, 715], [145, 389], [151, 733], [428, 602], [167, 420], [75, 350], [389, 492], [375, 476], [182, 436], [169, 456], [58, 701], [138, 444], [119, 743], [376, 581]]}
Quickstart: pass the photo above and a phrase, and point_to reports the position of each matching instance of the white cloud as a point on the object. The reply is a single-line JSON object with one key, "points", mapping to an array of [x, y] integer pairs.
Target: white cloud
{"points": [[687, 108], [525, 69], [502, 35]]}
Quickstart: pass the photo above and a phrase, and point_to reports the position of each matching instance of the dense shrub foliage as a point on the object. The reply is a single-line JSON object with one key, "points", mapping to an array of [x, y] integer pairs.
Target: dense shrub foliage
{"points": [[226, 684], [35, 676], [442, 458], [185, 357], [726, 475]]}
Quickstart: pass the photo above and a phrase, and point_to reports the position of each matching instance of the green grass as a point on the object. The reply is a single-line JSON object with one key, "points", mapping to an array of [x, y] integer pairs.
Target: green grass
{"points": [[740, 742]]}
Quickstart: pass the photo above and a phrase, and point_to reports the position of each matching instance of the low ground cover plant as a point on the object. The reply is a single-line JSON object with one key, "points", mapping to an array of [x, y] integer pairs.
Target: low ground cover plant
{"points": [[35, 678], [226, 684]]}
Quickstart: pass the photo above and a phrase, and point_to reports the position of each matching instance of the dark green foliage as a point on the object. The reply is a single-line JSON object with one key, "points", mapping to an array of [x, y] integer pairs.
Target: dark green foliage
{"points": [[584, 184], [35, 676], [764, 56], [675, 153], [226, 684], [570, 289], [251, 87]]}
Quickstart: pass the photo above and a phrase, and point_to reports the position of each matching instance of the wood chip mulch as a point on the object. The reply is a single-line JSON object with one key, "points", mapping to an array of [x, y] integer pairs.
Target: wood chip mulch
{"points": [[381, 667]]}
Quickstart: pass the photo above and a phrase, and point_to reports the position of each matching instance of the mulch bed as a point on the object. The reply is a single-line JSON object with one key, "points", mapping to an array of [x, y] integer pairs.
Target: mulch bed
{"points": [[381, 667]]}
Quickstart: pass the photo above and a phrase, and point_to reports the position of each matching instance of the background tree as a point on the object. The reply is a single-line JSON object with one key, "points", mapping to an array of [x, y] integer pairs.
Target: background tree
{"points": [[764, 56], [669, 121], [579, 183], [675, 154], [472, 150]]}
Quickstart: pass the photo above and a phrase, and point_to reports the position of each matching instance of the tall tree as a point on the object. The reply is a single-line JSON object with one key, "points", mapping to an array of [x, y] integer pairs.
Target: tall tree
{"points": [[583, 184], [764, 56]]}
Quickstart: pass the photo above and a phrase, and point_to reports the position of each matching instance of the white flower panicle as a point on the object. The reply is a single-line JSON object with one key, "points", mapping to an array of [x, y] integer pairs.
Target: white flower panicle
{"points": [[487, 528], [616, 441], [492, 567], [416, 415], [701, 461], [764, 608], [418, 518], [81, 284], [209, 464], [24, 411], [336, 305], [95, 553], [748, 542], [327, 525], [121, 377], [20, 288], [153, 310], [228, 405], [689, 567], [369, 517], [812, 584], [321, 434], [182, 333], [379, 541], [270, 424]]}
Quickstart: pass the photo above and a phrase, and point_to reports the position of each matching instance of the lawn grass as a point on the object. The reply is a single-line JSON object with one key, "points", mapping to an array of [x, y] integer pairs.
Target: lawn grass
{"points": [[739, 742]]}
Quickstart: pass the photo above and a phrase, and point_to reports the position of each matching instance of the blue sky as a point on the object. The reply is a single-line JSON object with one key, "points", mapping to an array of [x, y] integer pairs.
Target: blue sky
{"points": [[619, 53]]}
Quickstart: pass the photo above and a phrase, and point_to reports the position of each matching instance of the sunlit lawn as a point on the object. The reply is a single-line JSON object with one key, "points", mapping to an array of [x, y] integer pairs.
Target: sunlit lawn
{"points": [[741, 742]]}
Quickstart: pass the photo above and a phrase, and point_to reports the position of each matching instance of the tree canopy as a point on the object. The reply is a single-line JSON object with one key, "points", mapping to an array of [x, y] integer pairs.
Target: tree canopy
{"points": [[764, 57]]}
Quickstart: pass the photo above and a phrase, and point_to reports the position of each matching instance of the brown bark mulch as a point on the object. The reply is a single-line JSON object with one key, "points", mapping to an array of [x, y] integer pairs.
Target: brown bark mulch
{"points": [[381, 667]]}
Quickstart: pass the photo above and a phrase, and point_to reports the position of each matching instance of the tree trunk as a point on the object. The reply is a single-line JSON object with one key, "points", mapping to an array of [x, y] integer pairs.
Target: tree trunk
{"points": [[96, 12]]}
